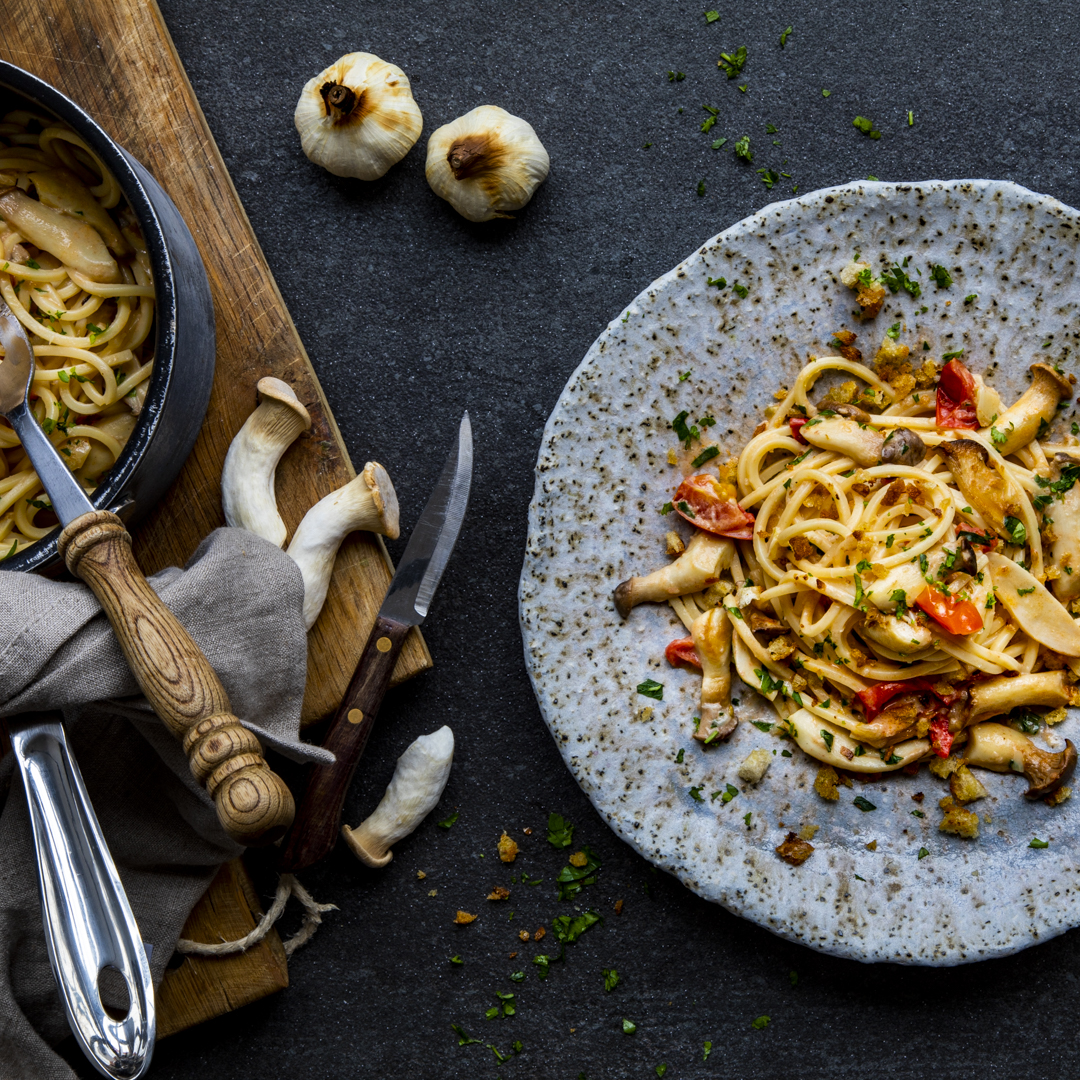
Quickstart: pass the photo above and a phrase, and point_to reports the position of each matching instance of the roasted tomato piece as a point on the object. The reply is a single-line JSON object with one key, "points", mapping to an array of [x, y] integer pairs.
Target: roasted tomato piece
{"points": [[977, 537], [682, 652], [941, 738], [956, 397], [875, 698], [710, 505], [956, 615], [797, 425]]}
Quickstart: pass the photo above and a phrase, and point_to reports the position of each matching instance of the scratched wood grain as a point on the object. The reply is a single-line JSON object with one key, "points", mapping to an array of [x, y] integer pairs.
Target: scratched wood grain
{"points": [[116, 60]]}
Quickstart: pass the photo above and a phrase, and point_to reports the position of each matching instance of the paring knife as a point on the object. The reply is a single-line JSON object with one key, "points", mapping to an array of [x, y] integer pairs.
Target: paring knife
{"points": [[88, 921], [318, 819], [253, 803]]}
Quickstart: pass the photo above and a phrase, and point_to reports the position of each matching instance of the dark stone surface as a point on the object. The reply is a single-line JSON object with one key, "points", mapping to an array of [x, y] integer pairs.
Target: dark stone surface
{"points": [[411, 315]]}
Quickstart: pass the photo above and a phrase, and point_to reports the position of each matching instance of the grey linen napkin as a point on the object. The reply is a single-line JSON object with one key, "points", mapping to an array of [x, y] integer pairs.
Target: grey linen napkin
{"points": [[241, 599]]}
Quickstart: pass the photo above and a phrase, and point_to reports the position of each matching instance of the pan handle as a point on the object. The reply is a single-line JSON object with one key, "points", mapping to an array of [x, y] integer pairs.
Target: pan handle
{"points": [[88, 921]]}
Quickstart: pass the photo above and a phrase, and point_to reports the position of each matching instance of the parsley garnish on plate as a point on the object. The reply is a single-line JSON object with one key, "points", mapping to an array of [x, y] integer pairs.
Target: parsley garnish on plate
{"points": [[1037, 843], [866, 127], [897, 279], [651, 688], [784, 36], [742, 148], [712, 16], [863, 804], [941, 276], [611, 979], [571, 878]]}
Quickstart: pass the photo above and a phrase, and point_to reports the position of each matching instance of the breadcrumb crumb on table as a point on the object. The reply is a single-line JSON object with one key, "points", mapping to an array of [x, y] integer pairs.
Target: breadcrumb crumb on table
{"points": [[421, 875], [945, 767], [755, 766], [966, 786], [957, 820], [869, 292], [540, 933], [579, 859], [463, 918], [498, 893], [795, 851], [1055, 716], [508, 848], [619, 903], [673, 543], [524, 935], [827, 783], [1056, 798], [808, 832]]}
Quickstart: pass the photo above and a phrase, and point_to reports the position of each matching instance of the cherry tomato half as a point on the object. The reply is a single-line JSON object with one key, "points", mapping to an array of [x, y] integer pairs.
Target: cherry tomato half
{"points": [[956, 397], [682, 652], [956, 615], [711, 506], [941, 738]]}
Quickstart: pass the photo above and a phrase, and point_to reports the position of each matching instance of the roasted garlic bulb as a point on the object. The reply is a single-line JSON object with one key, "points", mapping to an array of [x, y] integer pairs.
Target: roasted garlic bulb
{"points": [[358, 117], [486, 163]]}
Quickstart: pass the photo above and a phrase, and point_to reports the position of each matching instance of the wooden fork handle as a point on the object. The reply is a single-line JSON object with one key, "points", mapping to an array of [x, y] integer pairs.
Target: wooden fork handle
{"points": [[253, 804]]}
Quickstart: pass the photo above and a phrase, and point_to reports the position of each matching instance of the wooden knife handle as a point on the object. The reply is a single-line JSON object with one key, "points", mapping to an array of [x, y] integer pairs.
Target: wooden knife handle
{"points": [[318, 821], [253, 804]]}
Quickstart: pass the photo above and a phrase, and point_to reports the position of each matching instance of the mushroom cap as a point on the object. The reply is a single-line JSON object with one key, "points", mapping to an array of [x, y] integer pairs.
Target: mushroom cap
{"points": [[1051, 771], [384, 496]]}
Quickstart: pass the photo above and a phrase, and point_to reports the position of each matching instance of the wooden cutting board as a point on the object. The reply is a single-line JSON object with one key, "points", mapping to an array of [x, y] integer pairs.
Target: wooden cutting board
{"points": [[116, 60]]}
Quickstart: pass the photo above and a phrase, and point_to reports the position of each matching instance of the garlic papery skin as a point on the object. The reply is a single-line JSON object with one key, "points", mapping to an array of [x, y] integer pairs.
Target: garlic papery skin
{"points": [[358, 117], [419, 779], [486, 163]]}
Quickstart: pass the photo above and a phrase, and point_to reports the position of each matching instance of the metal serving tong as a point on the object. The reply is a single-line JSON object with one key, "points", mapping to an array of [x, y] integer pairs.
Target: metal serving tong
{"points": [[88, 921]]}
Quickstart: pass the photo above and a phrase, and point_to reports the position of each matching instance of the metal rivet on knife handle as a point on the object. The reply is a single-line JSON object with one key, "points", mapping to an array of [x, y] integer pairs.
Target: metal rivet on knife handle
{"points": [[355, 716], [383, 644], [253, 804]]}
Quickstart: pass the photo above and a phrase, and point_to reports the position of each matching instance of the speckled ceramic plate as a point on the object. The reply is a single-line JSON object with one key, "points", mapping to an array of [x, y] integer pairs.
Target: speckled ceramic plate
{"points": [[601, 477]]}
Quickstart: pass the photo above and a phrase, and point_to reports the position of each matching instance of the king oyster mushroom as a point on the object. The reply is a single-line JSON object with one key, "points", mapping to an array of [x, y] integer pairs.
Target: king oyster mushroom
{"points": [[999, 695], [700, 565], [1003, 749], [1064, 511], [1030, 603], [247, 479], [711, 632], [849, 433], [1020, 423], [982, 485]]}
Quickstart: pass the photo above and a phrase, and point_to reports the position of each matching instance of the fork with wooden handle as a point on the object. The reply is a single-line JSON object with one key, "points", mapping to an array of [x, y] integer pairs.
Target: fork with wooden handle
{"points": [[253, 804]]}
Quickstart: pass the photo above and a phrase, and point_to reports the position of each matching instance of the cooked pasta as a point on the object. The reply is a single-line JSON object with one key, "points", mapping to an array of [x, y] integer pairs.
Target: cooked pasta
{"points": [[891, 568], [75, 271]]}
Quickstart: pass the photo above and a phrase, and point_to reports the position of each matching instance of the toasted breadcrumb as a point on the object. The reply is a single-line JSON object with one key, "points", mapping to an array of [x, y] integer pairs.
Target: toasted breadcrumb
{"points": [[808, 832], [523, 934], [827, 783], [673, 544], [508, 848], [672, 457], [1055, 716], [892, 354], [421, 875], [926, 375], [945, 767], [618, 907], [644, 715], [869, 292], [463, 918], [579, 859], [795, 851], [755, 765], [1056, 798], [966, 786], [540, 932], [957, 820], [433, 892], [872, 846], [498, 893]]}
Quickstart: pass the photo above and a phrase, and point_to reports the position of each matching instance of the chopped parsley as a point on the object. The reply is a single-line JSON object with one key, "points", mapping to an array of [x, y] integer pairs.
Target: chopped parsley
{"points": [[825, 93], [866, 127], [1025, 592], [652, 689], [560, 831], [1015, 528], [827, 737], [768, 177], [676, 76], [730, 791], [899, 598], [917, 813], [701, 186], [863, 804], [684, 508], [457, 960], [768, 683], [1037, 843], [684, 375], [464, 1039], [760, 1023], [571, 878], [448, 823], [762, 725], [952, 355], [695, 793], [706, 1050], [783, 41], [611, 979], [1026, 721], [742, 148], [568, 928], [746, 818], [679, 756], [923, 853], [712, 16], [706, 455], [893, 331], [941, 276], [732, 63], [719, 282], [33, 264], [742, 290], [666, 509], [628, 1026], [897, 279]]}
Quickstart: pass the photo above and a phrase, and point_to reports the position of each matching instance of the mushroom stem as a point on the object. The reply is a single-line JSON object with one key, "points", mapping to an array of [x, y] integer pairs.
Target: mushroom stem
{"points": [[247, 480], [1020, 423], [712, 640], [700, 565], [417, 786], [1003, 749], [1032, 606], [980, 484], [368, 502], [1002, 693]]}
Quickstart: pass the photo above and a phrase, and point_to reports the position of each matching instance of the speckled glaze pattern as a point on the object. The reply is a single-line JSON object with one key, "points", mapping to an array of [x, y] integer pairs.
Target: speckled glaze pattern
{"points": [[601, 478]]}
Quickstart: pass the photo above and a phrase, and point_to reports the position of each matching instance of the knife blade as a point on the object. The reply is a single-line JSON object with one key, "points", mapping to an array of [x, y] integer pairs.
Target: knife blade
{"points": [[318, 819]]}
